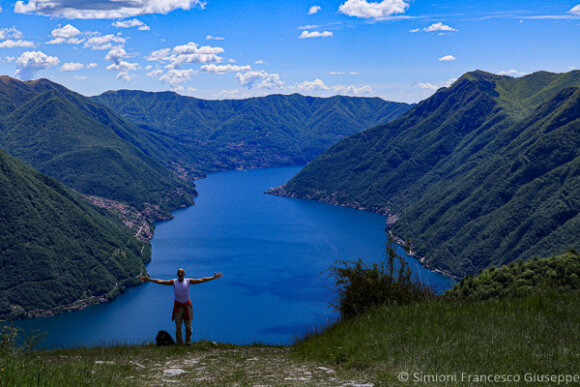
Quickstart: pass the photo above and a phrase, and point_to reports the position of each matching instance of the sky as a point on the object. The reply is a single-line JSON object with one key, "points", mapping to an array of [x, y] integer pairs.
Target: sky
{"points": [[398, 50]]}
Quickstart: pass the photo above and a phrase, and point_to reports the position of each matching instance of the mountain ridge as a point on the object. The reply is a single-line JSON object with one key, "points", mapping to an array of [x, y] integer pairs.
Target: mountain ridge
{"points": [[427, 169]]}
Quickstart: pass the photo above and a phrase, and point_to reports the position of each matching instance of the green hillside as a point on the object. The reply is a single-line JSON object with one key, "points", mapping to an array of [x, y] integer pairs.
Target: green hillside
{"points": [[252, 133], [484, 172], [87, 147], [57, 252]]}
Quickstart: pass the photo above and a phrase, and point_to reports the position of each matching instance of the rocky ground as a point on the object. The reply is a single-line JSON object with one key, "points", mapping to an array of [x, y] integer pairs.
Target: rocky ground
{"points": [[240, 366]]}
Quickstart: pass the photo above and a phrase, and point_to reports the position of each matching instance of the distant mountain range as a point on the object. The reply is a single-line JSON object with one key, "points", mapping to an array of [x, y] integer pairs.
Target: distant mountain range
{"points": [[260, 132], [58, 252], [486, 171]]}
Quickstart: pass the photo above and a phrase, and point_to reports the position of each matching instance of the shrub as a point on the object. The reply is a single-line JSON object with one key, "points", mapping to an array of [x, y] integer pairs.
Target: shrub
{"points": [[361, 286]]}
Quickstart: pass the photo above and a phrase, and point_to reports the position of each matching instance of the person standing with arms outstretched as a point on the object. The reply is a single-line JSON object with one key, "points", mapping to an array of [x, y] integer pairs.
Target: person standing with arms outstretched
{"points": [[182, 308]]}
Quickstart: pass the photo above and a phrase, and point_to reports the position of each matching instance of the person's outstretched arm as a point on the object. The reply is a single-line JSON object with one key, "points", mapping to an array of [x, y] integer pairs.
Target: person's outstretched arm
{"points": [[156, 281], [194, 281]]}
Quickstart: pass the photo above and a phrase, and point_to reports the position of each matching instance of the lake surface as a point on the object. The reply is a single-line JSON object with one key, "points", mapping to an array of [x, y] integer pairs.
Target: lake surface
{"points": [[273, 252]]}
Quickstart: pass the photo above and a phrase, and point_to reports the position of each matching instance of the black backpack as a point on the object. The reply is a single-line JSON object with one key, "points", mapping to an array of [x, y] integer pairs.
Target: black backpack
{"points": [[164, 338]]}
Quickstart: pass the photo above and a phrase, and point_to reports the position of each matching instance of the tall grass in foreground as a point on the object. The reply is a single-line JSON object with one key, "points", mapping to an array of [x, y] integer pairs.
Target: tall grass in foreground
{"points": [[536, 335]]}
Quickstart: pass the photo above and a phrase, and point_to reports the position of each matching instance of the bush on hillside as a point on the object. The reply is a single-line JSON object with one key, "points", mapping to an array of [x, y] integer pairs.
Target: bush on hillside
{"points": [[362, 286], [559, 273]]}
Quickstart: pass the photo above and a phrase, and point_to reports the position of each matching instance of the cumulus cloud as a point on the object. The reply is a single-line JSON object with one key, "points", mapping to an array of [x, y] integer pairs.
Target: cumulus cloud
{"points": [[575, 10], [16, 43], [353, 90], [72, 66], [30, 62], [80, 77], [176, 77], [259, 79], [314, 9], [187, 53], [123, 68], [211, 37], [155, 73], [132, 23], [373, 10], [427, 85], [222, 69], [104, 42], [447, 58], [315, 34], [439, 27], [512, 73], [67, 34], [306, 86], [103, 9], [10, 33]]}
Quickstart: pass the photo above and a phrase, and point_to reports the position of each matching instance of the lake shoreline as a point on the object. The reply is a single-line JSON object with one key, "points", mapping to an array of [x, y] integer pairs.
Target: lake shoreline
{"points": [[391, 218]]}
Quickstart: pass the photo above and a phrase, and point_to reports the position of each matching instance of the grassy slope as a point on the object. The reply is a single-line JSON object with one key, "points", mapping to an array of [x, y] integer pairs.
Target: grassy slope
{"points": [[517, 336], [472, 181], [55, 248]]}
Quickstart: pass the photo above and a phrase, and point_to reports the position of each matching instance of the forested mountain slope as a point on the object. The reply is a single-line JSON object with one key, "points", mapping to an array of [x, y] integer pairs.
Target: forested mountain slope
{"points": [[484, 172], [88, 147], [56, 250], [256, 132]]}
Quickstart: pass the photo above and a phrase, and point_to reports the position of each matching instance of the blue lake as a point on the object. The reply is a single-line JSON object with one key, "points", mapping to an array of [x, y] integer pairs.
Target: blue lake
{"points": [[272, 251]]}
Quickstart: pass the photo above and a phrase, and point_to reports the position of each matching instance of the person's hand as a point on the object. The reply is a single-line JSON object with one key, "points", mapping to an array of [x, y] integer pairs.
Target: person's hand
{"points": [[143, 278], [217, 275]]}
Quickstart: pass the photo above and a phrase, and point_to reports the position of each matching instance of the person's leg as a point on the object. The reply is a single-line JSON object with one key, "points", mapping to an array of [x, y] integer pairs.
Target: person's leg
{"points": [[188, 329], [178, 323]]}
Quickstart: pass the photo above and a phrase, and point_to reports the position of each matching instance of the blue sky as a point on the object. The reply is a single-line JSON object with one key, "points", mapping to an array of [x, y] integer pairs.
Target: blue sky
{"points": [[399, 50]]}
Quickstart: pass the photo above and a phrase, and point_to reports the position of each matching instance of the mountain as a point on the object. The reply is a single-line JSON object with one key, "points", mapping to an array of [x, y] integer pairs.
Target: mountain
{"points": [[88, 147], [58, 252], [251, 133], [482, 173]]}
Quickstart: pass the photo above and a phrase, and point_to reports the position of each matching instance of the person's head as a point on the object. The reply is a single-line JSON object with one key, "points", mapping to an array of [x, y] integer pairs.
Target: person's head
{"points": [[180, 274]]}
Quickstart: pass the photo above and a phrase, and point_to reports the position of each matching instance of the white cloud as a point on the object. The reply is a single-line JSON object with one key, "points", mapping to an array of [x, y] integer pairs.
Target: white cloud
{"points": [[575, 10], [415, 30], [222, 69], [315, 85], [104, 42], [260, 79], [91, 65], [336, 73], [176, 77], [259, 61], [309, 27], [512, 73], [31, 62], [373, 10], [315, 34], [211, 37], [80, 77], [447, 58], [123, 68], [155, 73], [67, 34], [10, 33], [132, 23], [116, 55], [103, 9], [7, 59], [187, 53], [439, 27], [314, 9], [428, 86], [353, 90], [72, 66], [16, 43]]}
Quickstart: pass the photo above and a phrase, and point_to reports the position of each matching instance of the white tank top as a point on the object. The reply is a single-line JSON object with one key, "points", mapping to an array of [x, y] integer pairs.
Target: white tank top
{"points": [[181, 290]]}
